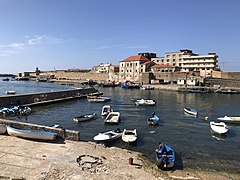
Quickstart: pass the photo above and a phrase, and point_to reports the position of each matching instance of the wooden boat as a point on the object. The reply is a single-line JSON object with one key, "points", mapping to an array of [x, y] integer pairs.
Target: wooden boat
{"points": [[145, 102], [85, 117], [106, 109], [230, 119], [219, 127], [190, 111], [153, 120], [108, 136], [113, 118], [3, 128], [165, 156], [31, 134], [129, 136], [98, 99]]}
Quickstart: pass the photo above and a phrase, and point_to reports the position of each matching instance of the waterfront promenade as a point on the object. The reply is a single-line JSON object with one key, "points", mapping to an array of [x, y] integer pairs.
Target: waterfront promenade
{"points": [[25, 159]]}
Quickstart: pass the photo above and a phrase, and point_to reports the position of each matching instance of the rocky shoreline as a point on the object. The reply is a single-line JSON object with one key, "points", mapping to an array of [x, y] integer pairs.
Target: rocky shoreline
{"points": [[25, 159]]}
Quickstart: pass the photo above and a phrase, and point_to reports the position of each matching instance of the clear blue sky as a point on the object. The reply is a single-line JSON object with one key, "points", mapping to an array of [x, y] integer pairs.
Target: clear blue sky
{"points": [[63, 34]]}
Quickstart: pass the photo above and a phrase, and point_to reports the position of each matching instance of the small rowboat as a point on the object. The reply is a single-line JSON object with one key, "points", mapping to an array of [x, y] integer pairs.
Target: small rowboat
{"points": [[31, 134], [153, 120], [145, 102], [106, 109], [113, 118], [108, 136], [165, 156], [129, 136], [98, 99], [85, 117], [191, 111], [230, 119], [219, 127]]}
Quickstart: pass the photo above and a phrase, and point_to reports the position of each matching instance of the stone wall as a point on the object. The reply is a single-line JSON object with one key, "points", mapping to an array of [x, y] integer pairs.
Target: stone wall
{"points": [[226, 75], [23, 99], [234, 83]]}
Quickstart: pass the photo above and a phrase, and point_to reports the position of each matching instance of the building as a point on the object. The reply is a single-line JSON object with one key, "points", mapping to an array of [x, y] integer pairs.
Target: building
{"points": [[131, 68], [101, 68]]}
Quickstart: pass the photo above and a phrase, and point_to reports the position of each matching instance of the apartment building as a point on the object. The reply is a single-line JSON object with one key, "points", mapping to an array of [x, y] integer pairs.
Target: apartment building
{"points": [[102, 68], [131, 68]]}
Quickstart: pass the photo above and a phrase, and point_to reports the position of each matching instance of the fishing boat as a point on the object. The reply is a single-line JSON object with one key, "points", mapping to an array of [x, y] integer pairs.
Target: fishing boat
{"points": [[145, 102], [129, 136], [230, 119], [218, 127], [10, 92], [153, 120], [106, 109], [191, 111], [165, 156], [3, 128], [112, 118], [98, 99], [108, 136], [85, 117], [147, 87], [31, 134]]}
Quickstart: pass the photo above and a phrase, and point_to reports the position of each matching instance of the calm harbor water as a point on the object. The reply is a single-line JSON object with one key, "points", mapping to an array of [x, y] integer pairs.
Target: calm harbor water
{"points": [[189, 136]]}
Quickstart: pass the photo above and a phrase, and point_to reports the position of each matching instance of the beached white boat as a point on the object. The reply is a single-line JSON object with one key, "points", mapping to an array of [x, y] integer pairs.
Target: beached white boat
{"points": [[230, 119], [191, 111], [98, 99], [219, 127], [108, 136], [106, 109], [85, 117], [129, 136], [31, 134], [3, 128], [145, 102], [153, 120], [113, 118]]}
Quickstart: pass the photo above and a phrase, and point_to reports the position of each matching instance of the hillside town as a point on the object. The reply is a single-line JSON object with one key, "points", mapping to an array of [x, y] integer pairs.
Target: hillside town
{"points": [[182, 68]]}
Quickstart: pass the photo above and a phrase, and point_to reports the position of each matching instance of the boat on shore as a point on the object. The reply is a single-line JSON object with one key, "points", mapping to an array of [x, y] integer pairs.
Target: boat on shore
{"points": [[106, 109], [230, 119], [145, 102], [129, 136], [191, 111], [85, 117], [112, 118], [218, 127], [108, 136], [165, 156], [31, 134]]}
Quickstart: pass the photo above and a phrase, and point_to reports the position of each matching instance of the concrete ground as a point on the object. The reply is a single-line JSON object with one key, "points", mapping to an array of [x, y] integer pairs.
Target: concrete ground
{"points": [[26, 159]]}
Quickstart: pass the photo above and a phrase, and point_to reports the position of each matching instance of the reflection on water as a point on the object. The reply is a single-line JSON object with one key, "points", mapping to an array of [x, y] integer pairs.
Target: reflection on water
{"points": [[189, 136]]}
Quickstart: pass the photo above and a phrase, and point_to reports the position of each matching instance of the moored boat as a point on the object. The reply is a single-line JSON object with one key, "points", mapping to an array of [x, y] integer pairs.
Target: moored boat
{"points": [[230, 119], [98, 99], [191, 111], [218, 127], [106, 109], [153, 120], [112, 118], [165, 156], [108, 136], [85, 117], [31, 134], [145, 102], [10, 92], [129, 136]]}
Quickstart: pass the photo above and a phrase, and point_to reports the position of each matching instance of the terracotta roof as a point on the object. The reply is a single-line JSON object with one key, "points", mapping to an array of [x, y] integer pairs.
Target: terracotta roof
{"points": [[136, 58]]}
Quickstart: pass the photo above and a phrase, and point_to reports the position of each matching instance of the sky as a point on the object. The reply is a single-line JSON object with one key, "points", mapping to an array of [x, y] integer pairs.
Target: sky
{"points": [[67, 34]]}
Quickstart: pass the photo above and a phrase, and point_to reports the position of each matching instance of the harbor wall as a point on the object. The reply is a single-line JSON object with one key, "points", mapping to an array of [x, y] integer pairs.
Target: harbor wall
{"points": [[62, 133], [44, 97]]}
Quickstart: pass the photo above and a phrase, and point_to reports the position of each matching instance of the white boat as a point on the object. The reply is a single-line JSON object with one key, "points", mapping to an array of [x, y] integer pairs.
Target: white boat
{"points": [[153, 120], [230, 119], [219, 127], [145, 102], [85, 117], [98, 99], [3, 128], [191, 111], [10, 92], [31, 134], [108, 136], [113, 118], [106, 109], [129, 136], [147, 87]]}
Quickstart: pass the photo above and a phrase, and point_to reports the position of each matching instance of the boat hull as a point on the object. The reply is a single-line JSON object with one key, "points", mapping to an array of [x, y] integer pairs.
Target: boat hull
{"points": [[230, 119], [219, 128], [189, 111], [129, 136], [165, 156]]}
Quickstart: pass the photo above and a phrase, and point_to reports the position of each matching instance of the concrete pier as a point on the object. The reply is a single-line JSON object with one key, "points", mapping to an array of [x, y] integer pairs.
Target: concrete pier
{"points": [[45, 97]]}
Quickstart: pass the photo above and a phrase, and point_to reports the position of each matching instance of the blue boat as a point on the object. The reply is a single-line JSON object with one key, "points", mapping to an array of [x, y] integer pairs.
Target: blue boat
{"points": [[165, 156]]}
